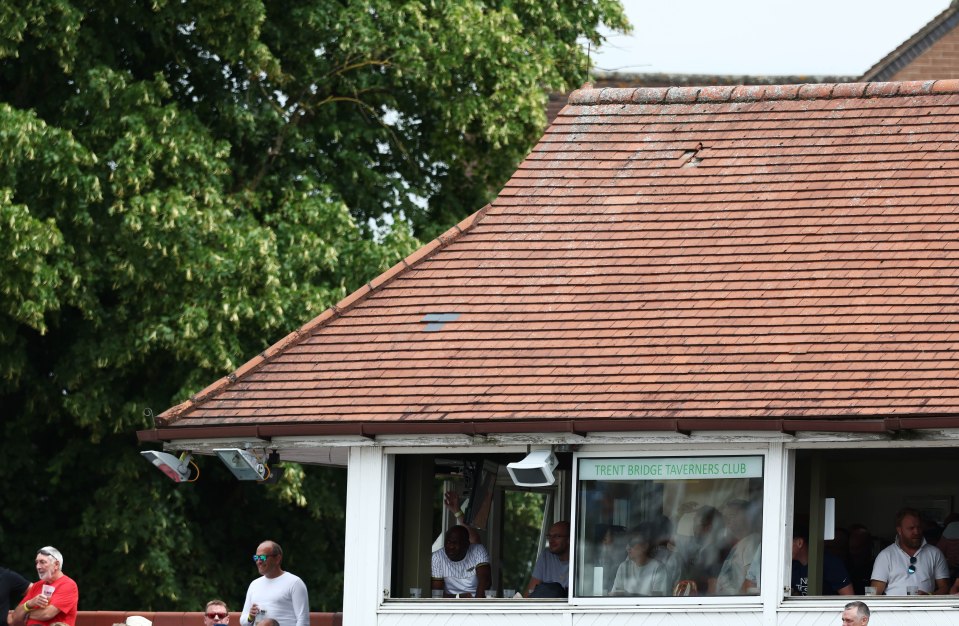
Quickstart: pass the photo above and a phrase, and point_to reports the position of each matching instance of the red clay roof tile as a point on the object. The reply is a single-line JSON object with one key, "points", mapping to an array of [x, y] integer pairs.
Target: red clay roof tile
{"points": [[665, 258]]}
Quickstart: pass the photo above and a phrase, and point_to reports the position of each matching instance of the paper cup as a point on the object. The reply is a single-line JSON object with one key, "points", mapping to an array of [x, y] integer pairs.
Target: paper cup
{"points": [[48, 590]]}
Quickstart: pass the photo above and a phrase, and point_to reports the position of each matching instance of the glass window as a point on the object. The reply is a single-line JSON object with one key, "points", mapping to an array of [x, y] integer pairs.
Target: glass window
{"points": [[869, 488], [509, 522], [668, 526]]}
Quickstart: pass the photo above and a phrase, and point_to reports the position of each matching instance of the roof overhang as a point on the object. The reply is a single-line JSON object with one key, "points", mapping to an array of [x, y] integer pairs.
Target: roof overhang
{"points": [[360, 433]]}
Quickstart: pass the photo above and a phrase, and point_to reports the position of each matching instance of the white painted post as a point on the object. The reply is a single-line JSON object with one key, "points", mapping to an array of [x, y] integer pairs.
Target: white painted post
{"points": [[774, 497], [365, 535]]}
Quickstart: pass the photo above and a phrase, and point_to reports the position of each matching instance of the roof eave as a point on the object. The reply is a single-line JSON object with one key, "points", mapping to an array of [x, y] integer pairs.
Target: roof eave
{"points": [[874, 424]]}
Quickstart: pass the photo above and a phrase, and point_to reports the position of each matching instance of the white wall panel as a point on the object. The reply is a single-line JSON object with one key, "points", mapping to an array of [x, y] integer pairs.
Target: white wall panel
{"points": [[825, 617], [484, 618], [674, 618], [880, 617]]}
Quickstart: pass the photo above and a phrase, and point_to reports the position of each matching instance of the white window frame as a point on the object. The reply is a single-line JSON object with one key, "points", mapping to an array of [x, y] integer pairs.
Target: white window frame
{"points": [[773, 532]]}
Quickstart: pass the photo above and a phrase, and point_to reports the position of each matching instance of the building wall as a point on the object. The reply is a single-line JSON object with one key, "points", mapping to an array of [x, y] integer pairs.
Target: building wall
{"points": [[940, 61], [366, 590], [181, 618]]}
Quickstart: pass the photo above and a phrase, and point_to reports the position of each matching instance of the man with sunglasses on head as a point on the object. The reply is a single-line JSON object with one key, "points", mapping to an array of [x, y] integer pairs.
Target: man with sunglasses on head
{"points": [[910, 561], [275, 594], [216, 614], [51, 599]]}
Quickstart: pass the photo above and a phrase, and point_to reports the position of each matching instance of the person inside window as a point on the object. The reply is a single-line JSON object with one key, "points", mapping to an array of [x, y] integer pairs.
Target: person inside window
{"points": [[910, 565], [835, 577], [744, 541], [460, 568], [550, 577], [639, 574], [702, 553]]}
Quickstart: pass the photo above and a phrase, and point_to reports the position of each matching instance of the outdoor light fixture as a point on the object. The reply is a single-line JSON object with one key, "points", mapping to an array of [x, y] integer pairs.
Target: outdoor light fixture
{"points": [[244, 464], [536, 470], [177, 469]]}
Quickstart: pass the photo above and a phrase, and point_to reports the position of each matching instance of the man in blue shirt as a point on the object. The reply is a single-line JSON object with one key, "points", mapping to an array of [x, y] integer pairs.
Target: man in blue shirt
{"points": [[835, 578]]}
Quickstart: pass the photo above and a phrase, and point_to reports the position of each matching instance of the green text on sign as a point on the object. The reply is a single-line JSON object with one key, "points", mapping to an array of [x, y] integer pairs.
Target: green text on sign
{"points": [[673, 468]]}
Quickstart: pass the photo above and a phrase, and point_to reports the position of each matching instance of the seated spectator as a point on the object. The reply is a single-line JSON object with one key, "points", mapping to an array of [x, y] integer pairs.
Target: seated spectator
{"points": [[835, 578], [701, 553], [860, 557], [931, 531], [461, 569], [949, 543], [751, 584], [639, 574], [910, 561], [838, 545], [666, 552], [550, 577], [732, 573], [611, 548]]}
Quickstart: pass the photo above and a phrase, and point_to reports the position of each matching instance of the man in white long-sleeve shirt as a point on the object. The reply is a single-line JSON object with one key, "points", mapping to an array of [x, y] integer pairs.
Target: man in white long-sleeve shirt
{"points": [[275, 594]]}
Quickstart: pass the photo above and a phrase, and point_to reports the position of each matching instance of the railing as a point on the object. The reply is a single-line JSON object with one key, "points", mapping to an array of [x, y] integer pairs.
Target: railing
{"points": [[192, 618]]}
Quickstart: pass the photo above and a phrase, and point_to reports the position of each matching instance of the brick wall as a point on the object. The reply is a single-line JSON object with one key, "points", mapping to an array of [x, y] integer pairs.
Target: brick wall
{"points": [[108, 618], [939, 61]]}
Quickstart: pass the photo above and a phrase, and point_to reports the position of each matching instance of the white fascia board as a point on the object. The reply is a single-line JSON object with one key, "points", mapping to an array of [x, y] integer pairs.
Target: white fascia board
{"points": [[206, 446], [915, 439], [322, 441]]}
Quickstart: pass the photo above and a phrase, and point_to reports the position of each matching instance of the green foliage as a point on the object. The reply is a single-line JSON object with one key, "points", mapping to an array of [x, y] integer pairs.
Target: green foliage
{"points": [[521, 545], [183, 183]]}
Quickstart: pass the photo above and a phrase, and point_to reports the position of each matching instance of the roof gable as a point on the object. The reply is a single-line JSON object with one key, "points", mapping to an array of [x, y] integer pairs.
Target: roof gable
{"points": [[930, 35], [721, 257]]}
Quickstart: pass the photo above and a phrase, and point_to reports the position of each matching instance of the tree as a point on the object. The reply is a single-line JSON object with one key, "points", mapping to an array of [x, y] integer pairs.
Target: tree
{"points": [[182, 184]]}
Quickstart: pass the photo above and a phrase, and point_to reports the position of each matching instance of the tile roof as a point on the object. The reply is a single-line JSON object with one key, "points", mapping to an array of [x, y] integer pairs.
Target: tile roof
{"points": [[556, 101], [722, 257], [909, 50]]}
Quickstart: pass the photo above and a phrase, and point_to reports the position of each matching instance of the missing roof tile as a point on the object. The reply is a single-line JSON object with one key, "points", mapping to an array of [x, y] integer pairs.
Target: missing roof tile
{"points": [[691, 158], [436, 321]]}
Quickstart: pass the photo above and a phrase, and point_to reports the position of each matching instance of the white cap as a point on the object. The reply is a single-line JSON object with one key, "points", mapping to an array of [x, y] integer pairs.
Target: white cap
{"points": [[53, 553], [138, 620]]}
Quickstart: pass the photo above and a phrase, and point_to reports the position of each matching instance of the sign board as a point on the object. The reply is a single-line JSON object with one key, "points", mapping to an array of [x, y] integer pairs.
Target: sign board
{"points": [[672, 468]]}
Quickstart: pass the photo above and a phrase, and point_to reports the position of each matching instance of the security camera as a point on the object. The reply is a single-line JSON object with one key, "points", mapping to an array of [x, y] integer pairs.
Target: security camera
{"points": [[244, 464], [536, 470], [177, 469]]}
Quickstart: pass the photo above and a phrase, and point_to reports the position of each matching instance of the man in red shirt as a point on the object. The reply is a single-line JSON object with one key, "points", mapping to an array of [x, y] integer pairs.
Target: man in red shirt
{"points": [[51, 599]]}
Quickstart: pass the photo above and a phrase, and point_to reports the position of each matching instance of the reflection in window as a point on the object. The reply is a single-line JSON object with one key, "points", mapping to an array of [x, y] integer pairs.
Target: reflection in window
{"points": [[669, 526]]}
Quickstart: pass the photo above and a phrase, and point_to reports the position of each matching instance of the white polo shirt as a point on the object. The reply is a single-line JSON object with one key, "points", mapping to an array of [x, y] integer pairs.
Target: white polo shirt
{"points": [[892, 567]]}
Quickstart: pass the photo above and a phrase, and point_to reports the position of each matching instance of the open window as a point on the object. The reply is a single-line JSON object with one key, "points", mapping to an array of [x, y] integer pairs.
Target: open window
{"points": [[510, 521], [866, 488], [668, 526]]}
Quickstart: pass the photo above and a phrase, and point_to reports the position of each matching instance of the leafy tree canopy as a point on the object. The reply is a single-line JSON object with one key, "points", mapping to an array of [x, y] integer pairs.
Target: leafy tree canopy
{"points": [[183, 183]]}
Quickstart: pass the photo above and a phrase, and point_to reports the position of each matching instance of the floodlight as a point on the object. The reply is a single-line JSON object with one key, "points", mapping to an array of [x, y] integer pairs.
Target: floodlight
{"points": [[536, 470], [177, 469], [244, 464]]}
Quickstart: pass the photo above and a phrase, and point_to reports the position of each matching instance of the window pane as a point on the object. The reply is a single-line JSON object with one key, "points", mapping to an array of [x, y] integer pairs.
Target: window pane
{"points": [[669, 526], [523, 516]]}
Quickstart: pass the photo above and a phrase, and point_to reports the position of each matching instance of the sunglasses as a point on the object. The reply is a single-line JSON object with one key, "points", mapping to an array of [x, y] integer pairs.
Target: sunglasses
{"points": [[261, 557], [912, 565], [217, 615]]}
